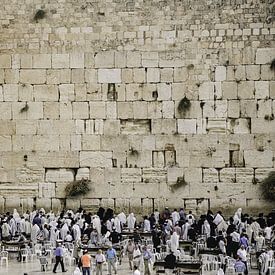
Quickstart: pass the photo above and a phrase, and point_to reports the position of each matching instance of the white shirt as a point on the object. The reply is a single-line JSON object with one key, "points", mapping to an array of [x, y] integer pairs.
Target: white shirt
{"points": [[242, 254], [136, 272]]}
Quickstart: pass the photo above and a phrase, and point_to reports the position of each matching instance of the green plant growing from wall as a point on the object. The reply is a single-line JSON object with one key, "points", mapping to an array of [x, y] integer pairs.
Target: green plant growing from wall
{"points": [[268, 187], [179, 183], [133, 152], [25, 108], [40, 14], [184, 106], [272, 65], [77, 188]]}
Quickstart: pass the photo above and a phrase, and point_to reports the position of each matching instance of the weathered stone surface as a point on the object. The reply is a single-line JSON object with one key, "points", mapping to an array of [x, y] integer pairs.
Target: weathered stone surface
{"points": [[95, 159]]}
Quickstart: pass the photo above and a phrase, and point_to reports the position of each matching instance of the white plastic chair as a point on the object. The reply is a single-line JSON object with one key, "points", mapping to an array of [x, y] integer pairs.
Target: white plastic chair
{"points": [[4, 255], [24, 255]]}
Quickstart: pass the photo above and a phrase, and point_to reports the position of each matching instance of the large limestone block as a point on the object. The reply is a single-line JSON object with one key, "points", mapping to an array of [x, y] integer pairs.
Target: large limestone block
{"points": [[46, 143], [246, 89], [153, 75], [142, 159], [164, 91], [262, 89], [42, 61], [158, 159], [154, 109], [139, 75], [130, 175], [45, 93], [5, 61], [7, 127], [272, 90], [30, 174], [220, 73], [229, 90], [262, 173], [168, 109], [133, 59], [264, 109], [5, 110], [111, 127], [105, 59], [112, 175], [109, 75], [259, 159], [11, 76], [135, 127], [60, 61], [206, 91], [45, 203], [95, 159], [233, 109], [26, 204], [5, 143], [216, 125], [26, 61], [80, 110], [154, 175], [10, 92], [244, 175], [173, 173], [59, 175], [97, 109], [163, 126], [140, 109], [66, 92], [221, 108], [36, 76], [125, 110], [23, 191], [90, 142], [187, 126], [210, 175], [262, 126], [265, 55], [77, 60], [61, 159], [46, 190], [252, 72], [25, 92]]}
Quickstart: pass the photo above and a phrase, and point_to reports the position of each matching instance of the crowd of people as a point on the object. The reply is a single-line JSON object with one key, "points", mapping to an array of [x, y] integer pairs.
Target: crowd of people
{"points": [[233, 237]]}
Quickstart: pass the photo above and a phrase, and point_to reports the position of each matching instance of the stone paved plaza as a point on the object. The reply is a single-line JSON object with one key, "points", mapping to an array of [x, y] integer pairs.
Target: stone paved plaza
{"points": [[33, 268]]}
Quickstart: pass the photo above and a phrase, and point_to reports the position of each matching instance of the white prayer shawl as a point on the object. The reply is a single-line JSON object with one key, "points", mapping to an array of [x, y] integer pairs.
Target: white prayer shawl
{"points": [[16, 216], [21, 225], [97, 224], [185, 228], [255, 228], [13, 226], [63, 231], [52, 235], [190, 219], [249, 232], [68, 222], [146, 226], [43, 220], [268, 232], [175, 217], [237, 216], [81, 222], [218, 219], [174, 242], [122, 218], [156, 214], [32, 215], [6, 230], [131, 220], [206, 230], [46, 234], [76, 232], [117, 225], [222, 226], [42, 210], [109, 225], [27, 227], [34, 233]]}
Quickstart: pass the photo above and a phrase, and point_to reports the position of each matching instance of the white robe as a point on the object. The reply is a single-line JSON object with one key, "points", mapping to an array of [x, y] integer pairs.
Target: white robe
{"points": [[174, 242], [218, 219], [206, 230], [76, 232], [63, 231], [175, 217], [185, 228], [13, 226], [35, 233], [117, 225], [122, 218], [146, 226], [97, 224], [131, 220], [27, 227], [237, 216]]}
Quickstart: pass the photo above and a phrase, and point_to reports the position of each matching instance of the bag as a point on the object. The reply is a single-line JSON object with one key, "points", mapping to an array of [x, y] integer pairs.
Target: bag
{"points": [[77, 271]]}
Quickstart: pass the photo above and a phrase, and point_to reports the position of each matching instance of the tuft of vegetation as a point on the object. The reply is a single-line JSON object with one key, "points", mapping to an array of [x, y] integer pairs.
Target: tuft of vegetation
{"points": [[210, 151], [133, 152], [268, 187], [40, 14], [190, 67], [77, 188], [272, 65], [184, 106], [179, 183], [25, 108], [269, 117]]}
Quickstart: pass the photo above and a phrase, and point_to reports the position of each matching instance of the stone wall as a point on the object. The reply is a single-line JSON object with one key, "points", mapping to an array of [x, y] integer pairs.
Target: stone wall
{"points": [[158, 103]]}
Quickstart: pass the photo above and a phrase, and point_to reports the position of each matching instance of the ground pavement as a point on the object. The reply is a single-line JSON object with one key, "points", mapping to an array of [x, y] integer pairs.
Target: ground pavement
{"points": [[33, 268]]}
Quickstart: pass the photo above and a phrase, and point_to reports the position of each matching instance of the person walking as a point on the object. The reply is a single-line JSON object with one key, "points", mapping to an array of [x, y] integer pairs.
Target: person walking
{"points": [[99, 260], [147, 258], [86, 263], [111, 260], [59, 252]]}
